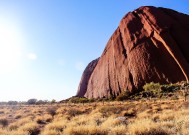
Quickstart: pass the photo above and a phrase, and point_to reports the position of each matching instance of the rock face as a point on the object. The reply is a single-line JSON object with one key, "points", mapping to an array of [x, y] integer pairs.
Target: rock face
{"points": [[85, 78], [150, 45]]}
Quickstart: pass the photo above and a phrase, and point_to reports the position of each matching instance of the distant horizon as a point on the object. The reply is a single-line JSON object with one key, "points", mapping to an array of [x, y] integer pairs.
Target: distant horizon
{"points": [[26, 100], [46, 45]]}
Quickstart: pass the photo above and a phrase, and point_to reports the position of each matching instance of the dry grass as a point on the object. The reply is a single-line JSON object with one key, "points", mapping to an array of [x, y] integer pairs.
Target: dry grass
{"points": [[160, 117]]}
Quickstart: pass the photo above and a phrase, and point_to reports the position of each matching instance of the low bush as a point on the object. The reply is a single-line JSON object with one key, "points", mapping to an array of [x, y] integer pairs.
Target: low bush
{"points": [[123, 96], [109, 110], [4, 122], [170, 88], [52, 111], [73, 112], [156, 90], [79, 100], [152, 90]]}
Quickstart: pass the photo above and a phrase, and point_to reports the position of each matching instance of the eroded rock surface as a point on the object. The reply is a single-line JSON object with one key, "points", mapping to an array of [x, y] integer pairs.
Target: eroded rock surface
{"points": [[85, 78], [150, 45]]}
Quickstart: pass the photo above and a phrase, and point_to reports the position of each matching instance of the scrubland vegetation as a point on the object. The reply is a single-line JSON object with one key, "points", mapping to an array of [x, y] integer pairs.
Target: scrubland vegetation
{"points": [[155, 113], [146, 117]]}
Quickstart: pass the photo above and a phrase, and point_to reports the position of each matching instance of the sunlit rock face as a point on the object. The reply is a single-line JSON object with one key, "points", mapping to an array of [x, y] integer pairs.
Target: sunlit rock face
{"points": [[150, 45]]}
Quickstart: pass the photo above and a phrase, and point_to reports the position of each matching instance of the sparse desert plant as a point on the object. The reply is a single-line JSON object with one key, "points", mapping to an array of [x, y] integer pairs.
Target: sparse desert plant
{"points": [[23, 121], [58, 126], [4, 122], [44, 119], [143, 117], [130, 113], [79, 100], [123, 96], [18, 116], [166, 117], [40, 120], [47, 117], [146, 127], [74, 111], [52, 111], [31, 128], [109, 110], [13, 126]]}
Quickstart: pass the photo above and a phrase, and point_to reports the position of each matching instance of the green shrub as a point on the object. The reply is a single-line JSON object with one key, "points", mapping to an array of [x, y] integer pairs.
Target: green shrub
{"points": [[152, 90], [79, 100], [167, 88]]}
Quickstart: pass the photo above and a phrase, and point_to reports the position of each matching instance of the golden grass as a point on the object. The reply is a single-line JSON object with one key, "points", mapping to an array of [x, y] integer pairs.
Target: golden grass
{"points": [[147, 117]]}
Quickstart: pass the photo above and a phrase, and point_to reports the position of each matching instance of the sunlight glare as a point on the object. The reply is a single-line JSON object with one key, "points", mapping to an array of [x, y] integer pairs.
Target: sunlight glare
{"points": [[10, 46]]}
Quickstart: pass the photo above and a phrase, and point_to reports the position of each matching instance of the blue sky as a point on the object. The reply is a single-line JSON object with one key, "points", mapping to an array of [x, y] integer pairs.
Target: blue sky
{"points": [[46, 44]]}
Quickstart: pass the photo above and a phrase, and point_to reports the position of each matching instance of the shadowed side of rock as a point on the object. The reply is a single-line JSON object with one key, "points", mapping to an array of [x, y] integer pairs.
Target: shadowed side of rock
{"points": [[85, 78]]}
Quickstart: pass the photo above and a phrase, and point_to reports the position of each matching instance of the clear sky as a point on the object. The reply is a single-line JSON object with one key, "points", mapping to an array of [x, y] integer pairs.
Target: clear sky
{"points": [[46, 44]]}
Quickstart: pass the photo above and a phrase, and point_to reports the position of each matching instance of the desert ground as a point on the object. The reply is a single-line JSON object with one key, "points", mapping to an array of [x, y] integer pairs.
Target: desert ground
{"points": [[144, 117]]}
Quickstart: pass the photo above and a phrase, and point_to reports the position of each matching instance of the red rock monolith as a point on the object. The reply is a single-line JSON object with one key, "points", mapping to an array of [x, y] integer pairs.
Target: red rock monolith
{"points": [[150, 45]]}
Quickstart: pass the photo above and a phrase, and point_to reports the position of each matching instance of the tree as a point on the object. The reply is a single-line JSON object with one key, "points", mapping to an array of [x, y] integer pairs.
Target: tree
{"points": [[12, 102], [32, 101], [40, 102], [53, 101]]}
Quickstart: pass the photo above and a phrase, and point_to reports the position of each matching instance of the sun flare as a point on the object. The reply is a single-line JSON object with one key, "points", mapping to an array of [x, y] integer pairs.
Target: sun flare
{"points": [[10, 46]]}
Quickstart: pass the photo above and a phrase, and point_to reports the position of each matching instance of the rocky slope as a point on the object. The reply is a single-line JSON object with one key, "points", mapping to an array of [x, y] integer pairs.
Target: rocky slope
{"points": [[150, 44]]}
